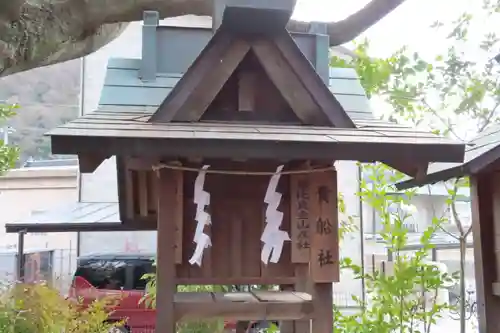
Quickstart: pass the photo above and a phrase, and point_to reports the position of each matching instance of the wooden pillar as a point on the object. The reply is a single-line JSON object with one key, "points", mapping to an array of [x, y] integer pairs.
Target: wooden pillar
{"points": [[488, 305], [169, 211], [324, 253], [20, 262], [301, 224], [323, 308], [303, 284], [315, 252], [286, 326]]}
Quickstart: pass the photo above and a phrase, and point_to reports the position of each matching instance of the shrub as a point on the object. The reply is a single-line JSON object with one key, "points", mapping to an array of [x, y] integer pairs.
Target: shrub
{"points": [[406, 299], [29, 308]]}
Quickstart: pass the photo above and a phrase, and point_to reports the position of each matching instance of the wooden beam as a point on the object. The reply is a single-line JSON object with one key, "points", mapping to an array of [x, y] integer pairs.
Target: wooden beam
{"points": [[241, 306], [199, 68], [142, 192], [241, 147], [246, 90], [237, 262], [128, 191], [300, 205], [177, 214], [152, 192], [291, 88], [204, 79], [126, 213], [323, 308], [137, 164], [483, 219], [88, 163], [311, 80], [286, 326], [211, 84], [417, 170], [324, 253], [303, 284], [235, 280], [165, 269], [257, 16]]}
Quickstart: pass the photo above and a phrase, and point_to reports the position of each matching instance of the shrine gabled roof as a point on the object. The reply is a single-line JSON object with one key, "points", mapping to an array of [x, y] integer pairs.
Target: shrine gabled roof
{"points": [[123, 88], [218, 107], [250, 47], [130, 133], [480, 154], [240, 50]]}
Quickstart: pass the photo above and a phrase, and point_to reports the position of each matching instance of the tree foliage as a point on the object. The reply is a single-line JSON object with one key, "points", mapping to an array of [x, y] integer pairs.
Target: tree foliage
{"points": [[27, 308], [454, 93], [405, 297], [459, 86], [8, 154]]}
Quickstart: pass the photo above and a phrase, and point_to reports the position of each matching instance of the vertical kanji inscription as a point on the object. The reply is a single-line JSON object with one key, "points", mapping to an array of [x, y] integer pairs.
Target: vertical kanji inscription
{"points": [[300, 215], [323, 214]]}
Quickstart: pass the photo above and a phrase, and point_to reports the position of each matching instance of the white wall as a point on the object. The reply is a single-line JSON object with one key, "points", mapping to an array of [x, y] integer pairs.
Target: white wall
{"points": [[23, 191], [427, 207], [351, 245]]}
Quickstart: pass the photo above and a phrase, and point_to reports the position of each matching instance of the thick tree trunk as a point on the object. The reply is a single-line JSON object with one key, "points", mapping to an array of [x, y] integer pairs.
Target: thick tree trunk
{"points": [[37, 33]]}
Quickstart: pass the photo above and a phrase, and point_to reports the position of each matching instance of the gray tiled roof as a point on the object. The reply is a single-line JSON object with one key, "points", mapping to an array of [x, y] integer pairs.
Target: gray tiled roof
{"points": [[123, 88], [76, 215]]}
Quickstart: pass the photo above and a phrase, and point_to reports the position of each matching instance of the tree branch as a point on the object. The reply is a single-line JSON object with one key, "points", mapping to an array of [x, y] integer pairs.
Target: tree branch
{"points": [[445, 122], [488, 119], [129, 10], [453, 209], [440, 227], [354, 25], [48, 32]]}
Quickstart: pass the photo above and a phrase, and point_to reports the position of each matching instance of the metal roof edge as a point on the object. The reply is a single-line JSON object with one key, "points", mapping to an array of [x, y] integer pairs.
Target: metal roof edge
{"points": [[433, 178], [125, 63]]}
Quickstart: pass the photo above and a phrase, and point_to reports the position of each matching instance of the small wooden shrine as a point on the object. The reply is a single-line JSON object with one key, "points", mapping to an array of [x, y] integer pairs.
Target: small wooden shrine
{"points": [[235, 170], [482, 165]]}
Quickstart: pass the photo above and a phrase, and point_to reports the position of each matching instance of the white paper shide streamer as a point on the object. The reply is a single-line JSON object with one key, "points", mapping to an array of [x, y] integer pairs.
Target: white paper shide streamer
{"points": [[272, 237], [201, 199]]}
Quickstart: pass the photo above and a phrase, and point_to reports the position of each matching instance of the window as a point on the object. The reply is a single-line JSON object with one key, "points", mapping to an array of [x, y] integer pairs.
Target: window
{"points": [[103, 274], [141, 267]]}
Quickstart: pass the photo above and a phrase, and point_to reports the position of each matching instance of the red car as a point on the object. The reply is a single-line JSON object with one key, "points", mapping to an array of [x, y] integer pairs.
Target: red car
{"points": [[120, 275]]}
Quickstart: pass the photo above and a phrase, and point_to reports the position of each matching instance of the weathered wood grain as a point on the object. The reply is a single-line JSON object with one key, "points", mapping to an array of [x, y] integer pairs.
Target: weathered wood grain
{"points": [[324, 253]]}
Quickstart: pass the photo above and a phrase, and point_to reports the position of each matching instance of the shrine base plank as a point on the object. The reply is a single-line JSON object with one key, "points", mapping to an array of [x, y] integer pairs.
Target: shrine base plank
{"points": [[272, 305]]}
